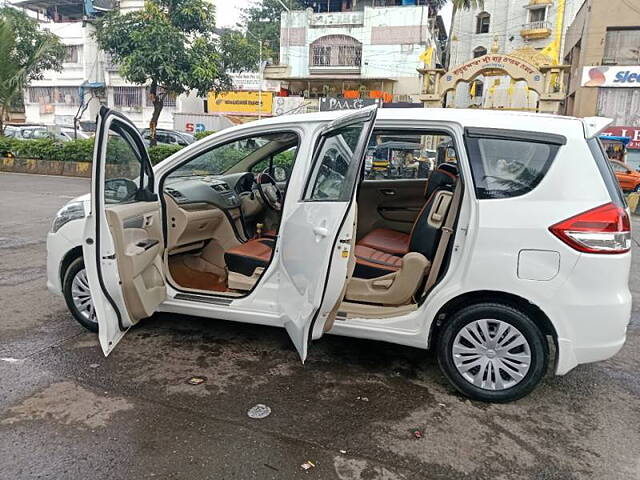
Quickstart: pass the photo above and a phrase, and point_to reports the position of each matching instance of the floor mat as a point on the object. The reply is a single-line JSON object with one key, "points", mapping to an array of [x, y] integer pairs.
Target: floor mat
{"points": [[190, 278]]}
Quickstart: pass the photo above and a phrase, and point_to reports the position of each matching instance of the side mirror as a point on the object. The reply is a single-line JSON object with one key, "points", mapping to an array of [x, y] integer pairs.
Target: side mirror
{"points": [[279, 174], [119, 189]]}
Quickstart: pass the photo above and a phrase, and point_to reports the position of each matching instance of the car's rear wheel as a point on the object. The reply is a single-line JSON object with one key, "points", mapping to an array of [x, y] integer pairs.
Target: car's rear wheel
{"points": [[75, 288], [492, 352]]}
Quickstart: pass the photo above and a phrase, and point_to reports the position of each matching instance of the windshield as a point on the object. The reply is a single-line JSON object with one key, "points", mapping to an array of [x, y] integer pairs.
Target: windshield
{"points": [[222, 158]]}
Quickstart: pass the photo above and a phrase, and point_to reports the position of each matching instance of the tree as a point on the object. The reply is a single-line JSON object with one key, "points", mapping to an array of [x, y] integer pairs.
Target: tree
{"points": [[26, 52], [460, 5], [263, 21], [172, 46]]}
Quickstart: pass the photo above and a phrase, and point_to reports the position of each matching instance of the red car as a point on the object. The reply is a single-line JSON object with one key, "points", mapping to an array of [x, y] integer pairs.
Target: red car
{"points": [[629, 179]]}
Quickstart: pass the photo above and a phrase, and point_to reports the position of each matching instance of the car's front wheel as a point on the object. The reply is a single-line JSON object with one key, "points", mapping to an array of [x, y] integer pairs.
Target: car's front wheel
{"points": [[75, 288], [492, 352]]}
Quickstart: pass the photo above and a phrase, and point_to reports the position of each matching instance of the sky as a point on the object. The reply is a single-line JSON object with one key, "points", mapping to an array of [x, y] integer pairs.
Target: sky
{"points": [[228, 12]]}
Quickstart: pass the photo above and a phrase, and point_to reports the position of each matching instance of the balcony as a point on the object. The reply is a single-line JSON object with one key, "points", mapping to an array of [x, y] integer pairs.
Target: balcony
{"points": [[536, 30]]}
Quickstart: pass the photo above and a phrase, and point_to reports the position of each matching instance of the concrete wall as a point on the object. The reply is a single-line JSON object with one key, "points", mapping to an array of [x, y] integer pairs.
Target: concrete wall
{"points": [[392, 40], [507, 19], [585, 46]]}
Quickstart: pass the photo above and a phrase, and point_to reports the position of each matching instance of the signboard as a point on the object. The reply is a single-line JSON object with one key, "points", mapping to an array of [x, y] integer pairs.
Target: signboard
{"points": [[631, 132], [240, 103], [332, 103], [288, 106], [250, 81], [602, 76]]}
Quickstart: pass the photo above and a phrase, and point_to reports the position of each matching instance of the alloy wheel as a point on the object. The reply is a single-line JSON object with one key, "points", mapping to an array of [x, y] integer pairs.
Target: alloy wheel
{"points": [[82, 296], [491, 354]]}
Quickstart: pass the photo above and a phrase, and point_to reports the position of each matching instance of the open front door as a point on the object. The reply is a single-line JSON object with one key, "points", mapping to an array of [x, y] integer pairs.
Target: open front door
{"points": [[315, 237], [122, 243]]}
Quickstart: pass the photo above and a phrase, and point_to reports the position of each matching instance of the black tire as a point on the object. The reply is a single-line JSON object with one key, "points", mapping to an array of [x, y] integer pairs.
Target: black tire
{"points": [[537, 343], [74, 268]]}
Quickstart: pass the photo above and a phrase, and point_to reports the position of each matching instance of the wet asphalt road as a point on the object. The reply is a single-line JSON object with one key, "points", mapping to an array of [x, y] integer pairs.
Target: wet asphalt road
{"points": [[67, 412]]}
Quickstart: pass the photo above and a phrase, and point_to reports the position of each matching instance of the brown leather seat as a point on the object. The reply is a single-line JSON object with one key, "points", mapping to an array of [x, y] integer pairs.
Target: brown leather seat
{"points": [[248, 256], [386, 240], [379, 252], [372, 263]]}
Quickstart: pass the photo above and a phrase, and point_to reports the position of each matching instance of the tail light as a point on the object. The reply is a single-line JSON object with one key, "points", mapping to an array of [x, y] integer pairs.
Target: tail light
{"points": [[604, 229]]}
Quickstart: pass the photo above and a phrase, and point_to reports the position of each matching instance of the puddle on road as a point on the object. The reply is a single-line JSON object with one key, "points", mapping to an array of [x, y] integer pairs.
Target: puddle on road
{"points": [[70, 404]]}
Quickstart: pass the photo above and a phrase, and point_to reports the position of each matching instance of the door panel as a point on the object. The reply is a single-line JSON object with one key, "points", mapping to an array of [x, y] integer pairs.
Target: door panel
{"points": [[138, 242], [316, 232], [392, 204], [123, 241]]}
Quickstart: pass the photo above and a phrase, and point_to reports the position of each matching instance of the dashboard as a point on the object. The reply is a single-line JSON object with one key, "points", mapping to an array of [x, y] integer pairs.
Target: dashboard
{"points": [[224, 192]]}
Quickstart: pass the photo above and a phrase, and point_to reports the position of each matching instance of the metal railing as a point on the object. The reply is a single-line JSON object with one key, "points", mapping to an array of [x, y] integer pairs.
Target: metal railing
{"points": [[540, 25]]}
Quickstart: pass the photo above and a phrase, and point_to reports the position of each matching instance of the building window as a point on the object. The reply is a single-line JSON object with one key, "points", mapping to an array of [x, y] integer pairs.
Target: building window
{"points": [[72, 53], [622, 46], [336, 51], [169, 99], [537, 14], [479, 51], [482, 22], [128, 97], [54, 95], [321, 56]]}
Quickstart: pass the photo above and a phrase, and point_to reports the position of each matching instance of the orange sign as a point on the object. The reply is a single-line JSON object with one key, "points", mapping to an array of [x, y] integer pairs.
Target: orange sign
{"points": [[240, 103]]}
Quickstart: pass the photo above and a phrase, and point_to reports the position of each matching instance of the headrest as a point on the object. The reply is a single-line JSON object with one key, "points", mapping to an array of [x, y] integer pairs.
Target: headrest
{"points": [[445, 175]]}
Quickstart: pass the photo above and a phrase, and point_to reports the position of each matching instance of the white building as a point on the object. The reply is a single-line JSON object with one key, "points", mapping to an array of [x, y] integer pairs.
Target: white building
{"points": [[513, 23], [362, 49], [56, 99]]}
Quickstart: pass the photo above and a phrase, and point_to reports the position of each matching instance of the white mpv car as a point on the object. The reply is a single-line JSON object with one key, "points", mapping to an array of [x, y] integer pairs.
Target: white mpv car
{"points": [[516, 237]]}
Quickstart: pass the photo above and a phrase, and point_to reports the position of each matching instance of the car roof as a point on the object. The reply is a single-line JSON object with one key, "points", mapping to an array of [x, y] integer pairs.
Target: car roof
{"points": [[512, 120]]}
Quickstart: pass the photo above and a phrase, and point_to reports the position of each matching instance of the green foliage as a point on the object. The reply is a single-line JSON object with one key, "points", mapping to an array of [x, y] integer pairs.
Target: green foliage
{"points": [[268, 31], [81, 150], [172, 43], [26, 51], [203, 134], [160, 152]]}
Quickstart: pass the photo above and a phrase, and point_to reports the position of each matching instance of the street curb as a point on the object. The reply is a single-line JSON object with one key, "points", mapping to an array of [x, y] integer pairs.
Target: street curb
{"points": [[45, 167]]}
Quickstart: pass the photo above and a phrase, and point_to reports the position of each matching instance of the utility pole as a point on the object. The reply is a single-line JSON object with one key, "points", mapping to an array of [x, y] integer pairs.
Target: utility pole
{"points": [[288, 29], [261, 70]]}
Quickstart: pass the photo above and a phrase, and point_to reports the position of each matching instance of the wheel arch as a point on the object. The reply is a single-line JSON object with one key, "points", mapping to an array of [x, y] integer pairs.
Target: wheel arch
{"points": [[67, 260], [490, 296]]}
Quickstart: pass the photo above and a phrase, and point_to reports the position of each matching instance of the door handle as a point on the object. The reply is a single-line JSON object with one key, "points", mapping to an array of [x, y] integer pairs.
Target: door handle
{"points": [[321, 231], [388, 192]]}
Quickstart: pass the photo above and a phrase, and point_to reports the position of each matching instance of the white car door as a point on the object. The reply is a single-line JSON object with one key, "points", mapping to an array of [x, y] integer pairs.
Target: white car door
{"points": [[316, 235], [123, 242]]}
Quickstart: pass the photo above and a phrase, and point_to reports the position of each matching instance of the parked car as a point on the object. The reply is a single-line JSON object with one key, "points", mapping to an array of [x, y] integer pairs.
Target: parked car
{"points": [[169, 137], [490, 260], [29, 132], [628, 179]]}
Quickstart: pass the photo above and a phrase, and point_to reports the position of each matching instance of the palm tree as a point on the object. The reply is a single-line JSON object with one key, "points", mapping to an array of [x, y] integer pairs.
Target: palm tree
{"points": [[460, 5], [25, 52]]}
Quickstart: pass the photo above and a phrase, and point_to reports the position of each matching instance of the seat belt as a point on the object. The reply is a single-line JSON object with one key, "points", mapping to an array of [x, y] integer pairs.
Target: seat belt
{"points": [[447, 231]]}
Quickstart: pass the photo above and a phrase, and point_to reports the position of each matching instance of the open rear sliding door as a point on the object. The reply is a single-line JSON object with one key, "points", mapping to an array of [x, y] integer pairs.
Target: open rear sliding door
{"points": [[316, 237], [122, 243]]}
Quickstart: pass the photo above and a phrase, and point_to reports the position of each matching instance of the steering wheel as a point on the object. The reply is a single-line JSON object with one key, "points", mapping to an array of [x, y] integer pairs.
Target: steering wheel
{"points": [[269, 191]]}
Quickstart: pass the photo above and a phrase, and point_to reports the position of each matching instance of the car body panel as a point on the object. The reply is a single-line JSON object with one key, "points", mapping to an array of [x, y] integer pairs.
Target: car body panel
{"points": [[588, 312]]}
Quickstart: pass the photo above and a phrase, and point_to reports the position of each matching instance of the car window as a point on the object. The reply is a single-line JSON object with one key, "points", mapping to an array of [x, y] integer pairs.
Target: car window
{"points": [[398, 154], [335, 167], [283, 159], [619, 168], [222, 158], [504, 168]]}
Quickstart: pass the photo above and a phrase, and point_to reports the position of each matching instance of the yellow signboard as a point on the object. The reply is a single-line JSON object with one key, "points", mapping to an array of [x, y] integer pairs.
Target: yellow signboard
{"points": [[241, 103]]}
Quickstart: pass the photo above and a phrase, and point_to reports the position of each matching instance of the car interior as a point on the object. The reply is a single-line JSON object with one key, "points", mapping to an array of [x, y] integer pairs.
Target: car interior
{"points": [[223, 213]]}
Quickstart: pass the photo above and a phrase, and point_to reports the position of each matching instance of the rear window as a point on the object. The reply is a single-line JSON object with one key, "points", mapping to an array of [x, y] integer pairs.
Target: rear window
{"points": [[606, 171], [505, 167]]}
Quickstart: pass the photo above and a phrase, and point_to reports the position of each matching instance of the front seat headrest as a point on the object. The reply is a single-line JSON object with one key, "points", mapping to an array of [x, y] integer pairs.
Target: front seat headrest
{"points": [[445, 175]]}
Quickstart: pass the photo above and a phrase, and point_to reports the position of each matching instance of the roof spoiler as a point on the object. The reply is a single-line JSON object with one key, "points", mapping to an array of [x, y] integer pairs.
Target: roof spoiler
{"points": [[594, 125]]}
